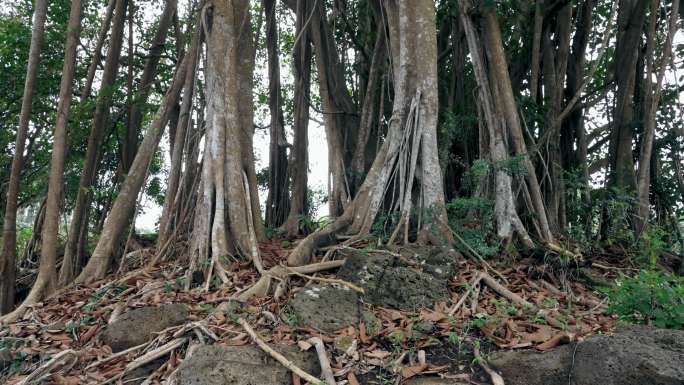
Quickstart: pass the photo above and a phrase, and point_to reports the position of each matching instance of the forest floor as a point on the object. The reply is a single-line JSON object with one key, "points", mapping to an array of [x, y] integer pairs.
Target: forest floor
{"points": [[60, 340]]}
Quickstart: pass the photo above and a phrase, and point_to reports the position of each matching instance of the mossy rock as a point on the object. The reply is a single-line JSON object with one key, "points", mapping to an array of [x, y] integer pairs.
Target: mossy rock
{"points": [[242, 365], [327, 307], [391, 281]]}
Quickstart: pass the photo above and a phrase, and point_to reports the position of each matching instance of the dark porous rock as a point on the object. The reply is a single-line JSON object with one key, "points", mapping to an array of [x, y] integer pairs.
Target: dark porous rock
{"points": [[242, 365], [391, 281], [138, 326], [437, 261], [327, 307], [632, 356]]}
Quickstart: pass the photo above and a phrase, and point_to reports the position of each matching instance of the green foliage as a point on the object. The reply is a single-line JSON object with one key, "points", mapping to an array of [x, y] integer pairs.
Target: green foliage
{"points": [[473, 220], [651, 297], [619, 208], [651, 244], [24, 234]]}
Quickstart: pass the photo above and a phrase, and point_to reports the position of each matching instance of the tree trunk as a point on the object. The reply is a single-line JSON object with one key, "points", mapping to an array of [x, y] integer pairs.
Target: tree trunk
{"points": [[124, 205], [575, 122], [299, 154], [508, 222], [227, 220], [412, 136], [79, 218], [97, 52], [368, 111], [503, 82], [631, 16], [183, 127], [339, 113], [8, 258], [145, 84], [47, 273], [277, 201], [651, 103]]}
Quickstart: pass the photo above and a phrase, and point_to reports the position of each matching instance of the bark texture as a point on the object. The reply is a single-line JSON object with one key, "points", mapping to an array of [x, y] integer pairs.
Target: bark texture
{"points": [[79, 223], [8, 254], [47, 272]]}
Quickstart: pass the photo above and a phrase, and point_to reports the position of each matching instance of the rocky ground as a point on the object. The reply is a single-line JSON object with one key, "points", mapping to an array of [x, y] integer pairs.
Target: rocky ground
{"points": [[420, 316]]}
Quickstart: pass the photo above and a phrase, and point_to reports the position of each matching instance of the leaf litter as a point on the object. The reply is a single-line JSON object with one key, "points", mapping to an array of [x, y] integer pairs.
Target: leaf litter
{"points": [[57, 340]]}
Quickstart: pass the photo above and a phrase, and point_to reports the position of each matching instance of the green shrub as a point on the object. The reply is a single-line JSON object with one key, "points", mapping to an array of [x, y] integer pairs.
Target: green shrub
{"points": [[652, 297]]}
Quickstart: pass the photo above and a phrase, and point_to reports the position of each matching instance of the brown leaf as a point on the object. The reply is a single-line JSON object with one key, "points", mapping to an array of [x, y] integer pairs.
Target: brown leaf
{"points": [[560, 338], [381, 354], [352, 379], [410, 371]]}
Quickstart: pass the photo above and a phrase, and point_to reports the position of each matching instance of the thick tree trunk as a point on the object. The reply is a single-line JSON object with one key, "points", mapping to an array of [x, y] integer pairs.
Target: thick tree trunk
{"points": [[9, 231], [227, 220], [410, 147], [79, 219], [503, 82], [299, 156], [508, 222], [145, 84], [47, 273], [631, 16], [277, 202], [339, 112]]}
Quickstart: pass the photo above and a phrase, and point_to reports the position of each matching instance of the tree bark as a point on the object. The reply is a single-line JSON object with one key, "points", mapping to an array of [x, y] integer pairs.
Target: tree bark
{"points": [[631, 17], [183, 127], [47, 273], [70, 268], [145, 84], [508, 222], [227, 220], [277, 201], [651, 102], [411, 135], [503, 82], [299, 161], [124, 205], [339, 112], [9, 231]]}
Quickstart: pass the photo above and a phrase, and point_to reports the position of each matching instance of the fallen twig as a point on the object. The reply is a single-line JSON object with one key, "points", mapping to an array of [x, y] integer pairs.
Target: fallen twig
{"points": [[57, 361], [116, 355], [328, 280], [496, 377], [461, 301], [326, 369], [149, 357], [277, 356]]}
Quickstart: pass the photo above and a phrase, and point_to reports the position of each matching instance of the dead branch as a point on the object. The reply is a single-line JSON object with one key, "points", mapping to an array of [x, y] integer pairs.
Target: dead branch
{"points": [[148, 357], [327, 280], [496, 377], [277, 356], [326, 369], [60, 359], [462, 300]]}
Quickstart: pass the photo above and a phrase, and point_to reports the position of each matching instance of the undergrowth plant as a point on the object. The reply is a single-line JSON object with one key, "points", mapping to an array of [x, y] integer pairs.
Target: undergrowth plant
{"points": [[652, 298]]}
